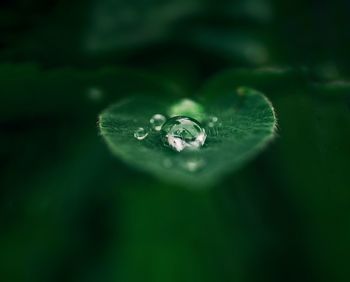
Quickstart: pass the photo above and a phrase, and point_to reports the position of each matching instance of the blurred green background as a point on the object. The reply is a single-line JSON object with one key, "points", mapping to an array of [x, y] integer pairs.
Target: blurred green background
{"points": [[70, 211]]}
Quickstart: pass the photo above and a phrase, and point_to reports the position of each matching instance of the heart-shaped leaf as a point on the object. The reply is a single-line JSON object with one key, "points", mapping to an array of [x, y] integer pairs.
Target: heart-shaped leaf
{"points": [[238, 127]]}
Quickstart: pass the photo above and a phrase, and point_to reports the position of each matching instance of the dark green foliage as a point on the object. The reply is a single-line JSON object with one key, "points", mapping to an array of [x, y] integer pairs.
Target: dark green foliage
{"points": [[71, 211]]}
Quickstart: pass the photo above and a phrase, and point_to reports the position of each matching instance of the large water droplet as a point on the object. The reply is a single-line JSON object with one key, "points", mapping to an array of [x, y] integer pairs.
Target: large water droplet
{"points": [[157, 121], [140, 133], [181, 133]]}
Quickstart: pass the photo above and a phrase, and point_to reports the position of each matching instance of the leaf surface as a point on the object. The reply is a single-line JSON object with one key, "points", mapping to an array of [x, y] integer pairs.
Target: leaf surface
{"points": [[246, 123]]}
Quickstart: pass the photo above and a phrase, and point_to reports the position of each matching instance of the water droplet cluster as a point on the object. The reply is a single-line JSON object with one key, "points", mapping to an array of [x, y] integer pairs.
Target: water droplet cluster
{"points": [[179, 132]]}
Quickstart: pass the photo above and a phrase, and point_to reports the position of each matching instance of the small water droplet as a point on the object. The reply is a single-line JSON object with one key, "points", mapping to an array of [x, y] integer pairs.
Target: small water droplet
{"points": [[212, 121], [181, 133], [157, 121], [95, 94], [193, 165], [140, 133]]}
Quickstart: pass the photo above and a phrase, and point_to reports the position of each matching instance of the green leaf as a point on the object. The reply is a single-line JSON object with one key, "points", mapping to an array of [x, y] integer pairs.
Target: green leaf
{"points": [[246, 123]]}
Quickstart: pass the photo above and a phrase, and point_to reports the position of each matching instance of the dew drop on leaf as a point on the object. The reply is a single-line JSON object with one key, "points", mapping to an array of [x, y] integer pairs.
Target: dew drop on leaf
{"points": [[212, 121], [193, 165], [182, 132], [157, 121], [140, 133], [95, 94]]}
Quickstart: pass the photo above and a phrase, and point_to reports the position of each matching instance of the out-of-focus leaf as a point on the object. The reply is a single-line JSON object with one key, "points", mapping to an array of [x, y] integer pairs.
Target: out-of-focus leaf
{"points": [[312, 160], [26, 90], [235, 46], [120, 25], [52, 206]]}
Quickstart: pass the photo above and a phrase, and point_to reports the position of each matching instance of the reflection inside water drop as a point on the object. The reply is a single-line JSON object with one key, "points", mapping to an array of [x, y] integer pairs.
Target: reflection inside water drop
{"points": [[181, 133]]}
